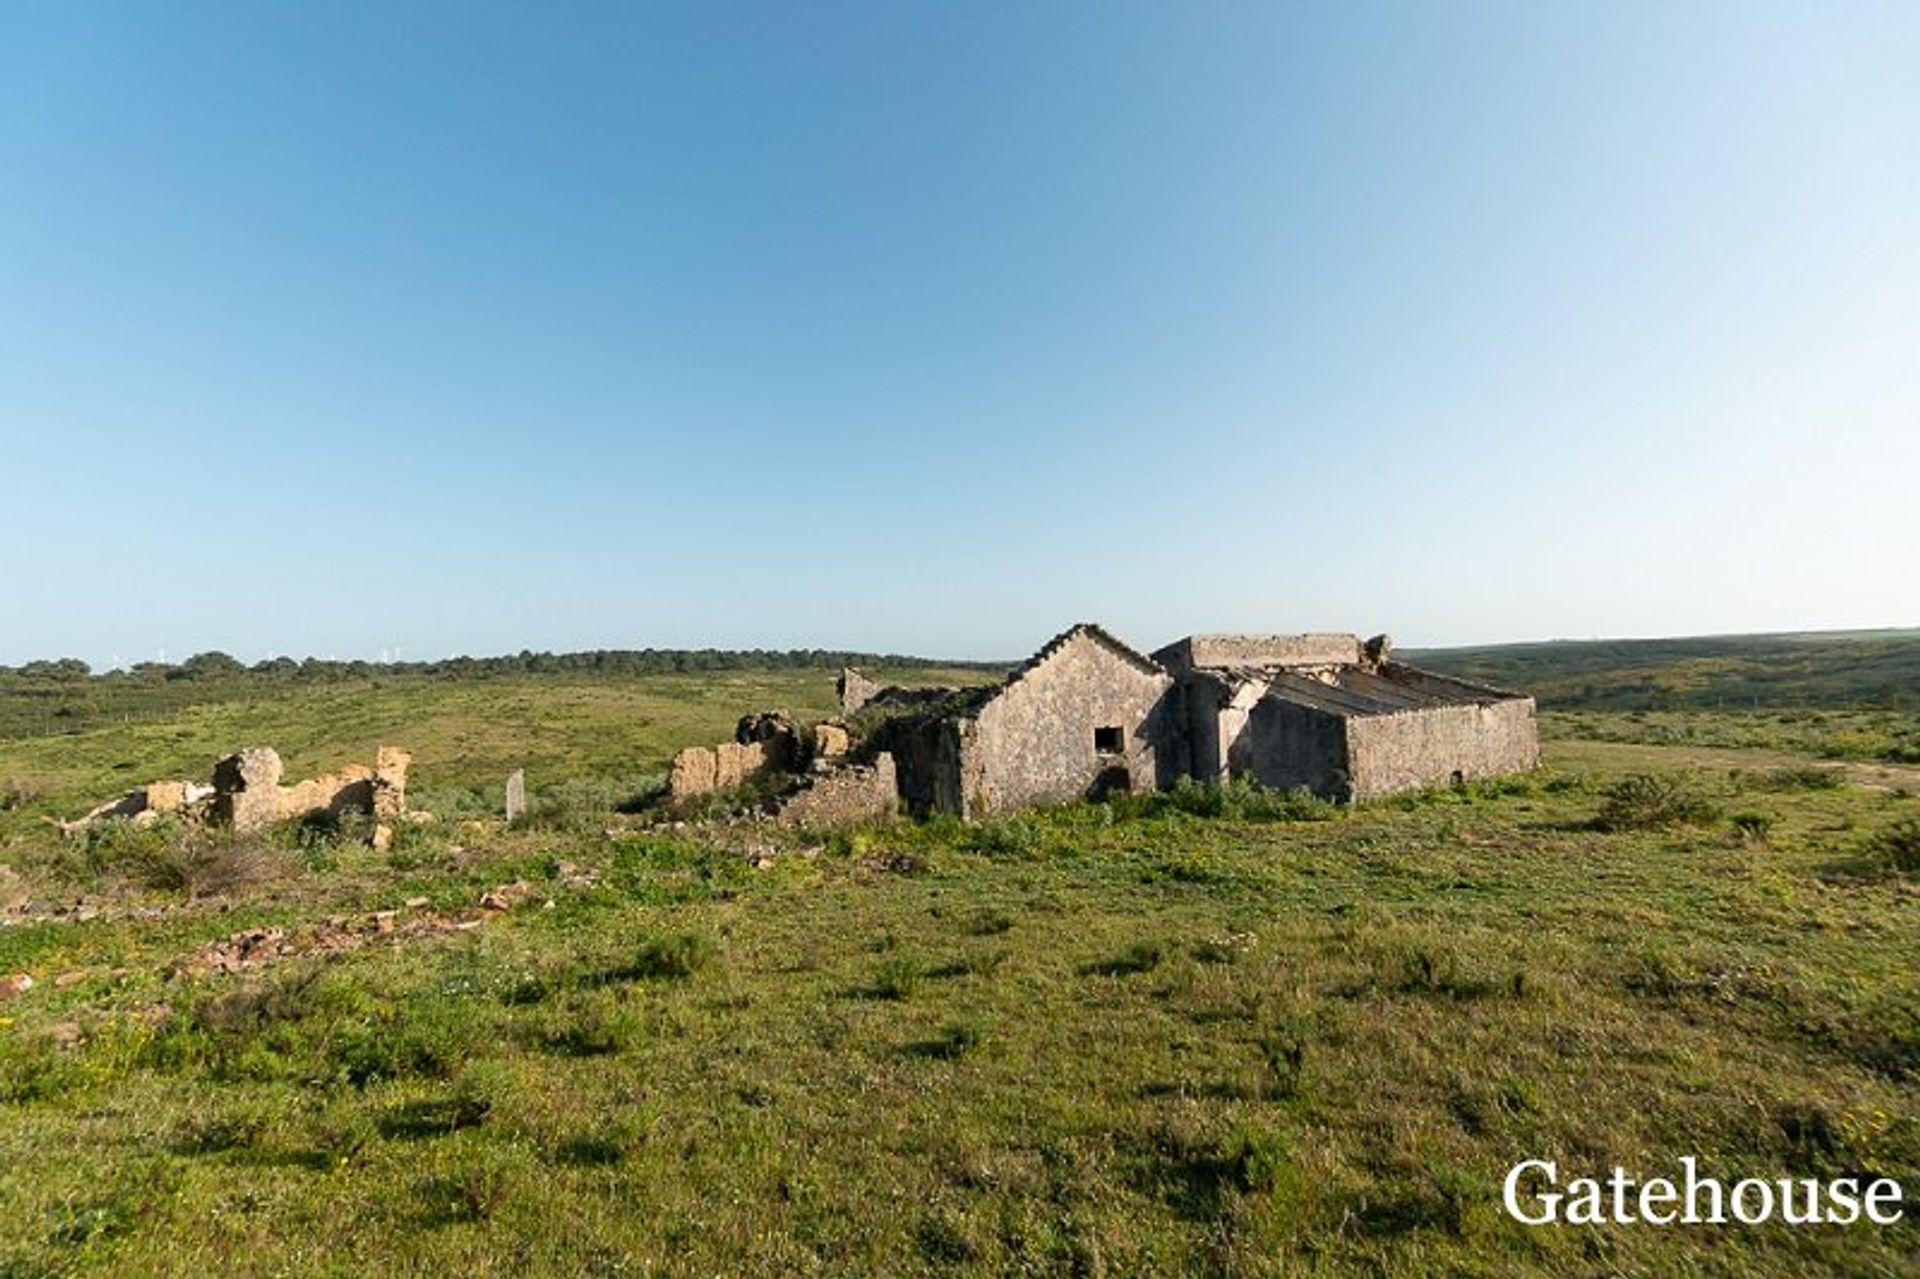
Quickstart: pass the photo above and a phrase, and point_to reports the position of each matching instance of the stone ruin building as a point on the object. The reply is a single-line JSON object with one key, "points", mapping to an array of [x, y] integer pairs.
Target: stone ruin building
{"points": [[1088, 716], [1340, 718]]}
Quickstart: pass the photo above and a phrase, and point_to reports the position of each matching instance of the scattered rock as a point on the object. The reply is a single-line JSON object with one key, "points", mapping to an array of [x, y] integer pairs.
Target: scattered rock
{"points": [[505, 896], [257, 947], [66, 1034], [415, 903], [15, 986], [73, 978], [831, 740]]}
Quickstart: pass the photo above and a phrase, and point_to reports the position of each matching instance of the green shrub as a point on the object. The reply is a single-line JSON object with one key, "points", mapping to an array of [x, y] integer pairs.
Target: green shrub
{"points": [[588, 1030], [1652, 801], [899, 977], [1007, 837], [1752, 826], [1899, 845], [1237, 799], [676, 955]]}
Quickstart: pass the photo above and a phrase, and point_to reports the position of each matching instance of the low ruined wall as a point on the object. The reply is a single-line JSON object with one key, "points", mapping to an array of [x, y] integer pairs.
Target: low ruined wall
{"points": [[248, 794], [1414, 749], [848, 793], [701, 770]]}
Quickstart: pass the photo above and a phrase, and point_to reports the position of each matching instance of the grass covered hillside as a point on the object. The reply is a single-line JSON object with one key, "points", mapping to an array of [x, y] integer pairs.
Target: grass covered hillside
{"points": [[1838, 669]]}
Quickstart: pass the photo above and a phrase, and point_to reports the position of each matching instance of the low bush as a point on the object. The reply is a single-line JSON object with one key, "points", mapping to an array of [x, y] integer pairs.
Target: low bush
{"points": [[675, 955], [1235, 800], [1653, 801], [1898, 846], [899, 977]]}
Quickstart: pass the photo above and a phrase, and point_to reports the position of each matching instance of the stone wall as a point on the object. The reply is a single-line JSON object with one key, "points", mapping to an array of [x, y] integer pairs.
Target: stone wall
{"points": [[1432, 747], [845, 793], [929, 753], [1285, 745], [1217, 710], [248, 794], [763, 744], [1036, 741]]}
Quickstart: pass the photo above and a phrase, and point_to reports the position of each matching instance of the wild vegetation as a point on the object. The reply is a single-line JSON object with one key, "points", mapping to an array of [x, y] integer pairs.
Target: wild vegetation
{"points": [[1212, 1031]]}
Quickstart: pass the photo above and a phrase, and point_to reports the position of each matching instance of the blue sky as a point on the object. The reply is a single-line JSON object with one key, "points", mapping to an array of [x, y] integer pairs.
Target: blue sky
{"points": [[343, 329]]}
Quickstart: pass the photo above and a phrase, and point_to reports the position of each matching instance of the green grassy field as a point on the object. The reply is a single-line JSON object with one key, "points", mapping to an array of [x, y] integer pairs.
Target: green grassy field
{"points": [[1216, 1033]]}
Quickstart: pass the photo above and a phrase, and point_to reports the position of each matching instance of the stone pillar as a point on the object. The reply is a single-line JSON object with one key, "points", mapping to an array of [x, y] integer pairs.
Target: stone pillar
{"points": [[516, 793], [246, 789], [855, 690], [390, 782]]}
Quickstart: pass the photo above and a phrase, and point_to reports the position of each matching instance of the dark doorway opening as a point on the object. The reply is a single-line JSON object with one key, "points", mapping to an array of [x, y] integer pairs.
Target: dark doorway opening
{"points": [[1110, 741]]}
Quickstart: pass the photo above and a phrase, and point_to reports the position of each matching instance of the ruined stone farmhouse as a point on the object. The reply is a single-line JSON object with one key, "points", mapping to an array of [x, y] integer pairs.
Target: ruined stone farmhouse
{"points": [[1339, 718], [1089, 716]]}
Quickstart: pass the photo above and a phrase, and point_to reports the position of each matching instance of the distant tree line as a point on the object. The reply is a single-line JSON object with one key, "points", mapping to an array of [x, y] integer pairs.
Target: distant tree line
{"points": [[210, 666]]}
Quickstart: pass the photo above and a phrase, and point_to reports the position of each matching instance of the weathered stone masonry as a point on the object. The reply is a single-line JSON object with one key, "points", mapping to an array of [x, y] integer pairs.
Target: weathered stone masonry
{"points": [[1342, 719], [1088, 715]]}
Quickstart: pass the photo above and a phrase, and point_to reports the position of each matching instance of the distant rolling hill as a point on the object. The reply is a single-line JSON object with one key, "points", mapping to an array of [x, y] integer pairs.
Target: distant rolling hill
{"points": [[1868, 669]]}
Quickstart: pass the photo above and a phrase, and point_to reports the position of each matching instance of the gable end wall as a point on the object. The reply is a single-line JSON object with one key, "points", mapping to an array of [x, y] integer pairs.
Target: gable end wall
{"points": [[1034, 743]]}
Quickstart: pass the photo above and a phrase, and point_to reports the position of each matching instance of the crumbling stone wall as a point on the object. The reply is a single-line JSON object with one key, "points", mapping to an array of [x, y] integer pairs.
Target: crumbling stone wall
{"points": [[1083, 717], [845, 793], [248, 793], [762, 744], [145, 805], [929, 755]]}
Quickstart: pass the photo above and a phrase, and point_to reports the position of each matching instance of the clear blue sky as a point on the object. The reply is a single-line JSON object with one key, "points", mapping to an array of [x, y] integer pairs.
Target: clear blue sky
{"points": [[336, 329]]}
